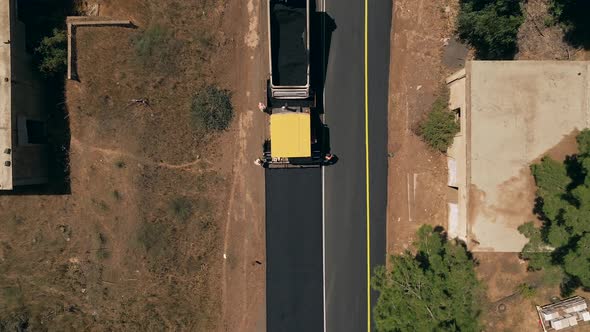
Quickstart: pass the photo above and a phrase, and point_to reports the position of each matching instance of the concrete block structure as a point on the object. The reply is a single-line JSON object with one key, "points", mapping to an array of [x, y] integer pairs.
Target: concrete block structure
{"points": [[512, 113], [565, 314], [23, 129]]}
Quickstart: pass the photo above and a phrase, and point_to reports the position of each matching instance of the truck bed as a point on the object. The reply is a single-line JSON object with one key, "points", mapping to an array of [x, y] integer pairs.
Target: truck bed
{"points": [[289, 44]]}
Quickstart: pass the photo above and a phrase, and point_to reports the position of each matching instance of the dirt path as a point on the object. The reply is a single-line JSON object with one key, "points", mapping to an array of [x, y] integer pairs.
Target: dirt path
{"points": [[76, 144], [243, 284]]}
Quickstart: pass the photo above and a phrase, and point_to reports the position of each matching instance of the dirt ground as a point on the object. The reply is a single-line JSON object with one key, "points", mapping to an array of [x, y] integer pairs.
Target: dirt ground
{"points": [[508, 309], [164, 223], [244, 277], [502, 274], [539, 39], [417, 174], [423, 53]]}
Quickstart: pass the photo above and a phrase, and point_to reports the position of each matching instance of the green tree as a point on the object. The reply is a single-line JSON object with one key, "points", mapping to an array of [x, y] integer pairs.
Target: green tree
{"points": [[212, 109], [490, 26], [535, 251], [434, 290], [563, 204], [53, 52], [440, 126]]}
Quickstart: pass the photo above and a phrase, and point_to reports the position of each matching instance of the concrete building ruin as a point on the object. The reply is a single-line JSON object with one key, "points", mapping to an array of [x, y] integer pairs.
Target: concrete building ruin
{"points": [[23, 136], [512, 113], [564, 314]]}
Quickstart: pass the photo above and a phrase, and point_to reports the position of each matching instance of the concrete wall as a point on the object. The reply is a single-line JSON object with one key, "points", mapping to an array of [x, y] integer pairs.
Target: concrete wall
{"points": [[5, 95], [30, 161], [457, 225]]}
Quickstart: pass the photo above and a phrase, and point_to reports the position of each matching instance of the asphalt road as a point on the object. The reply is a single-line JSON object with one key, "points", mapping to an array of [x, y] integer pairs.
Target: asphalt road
{"points": [[345, 182], [379, 25], [294, 296]]}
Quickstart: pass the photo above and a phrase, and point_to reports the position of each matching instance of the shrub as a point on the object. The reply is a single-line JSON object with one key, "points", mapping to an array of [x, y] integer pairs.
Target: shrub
{"points": [[155, 237], [15, 321], [102, 252], [212, 109], [526, 291], [53, 52], [117, 195], [440, 127], [181, 208], [157, 49], [151, 41], [490, 26]]}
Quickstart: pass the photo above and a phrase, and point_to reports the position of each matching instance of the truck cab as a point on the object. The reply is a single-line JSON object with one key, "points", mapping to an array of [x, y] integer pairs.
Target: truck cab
{"points": [[297, 139]]}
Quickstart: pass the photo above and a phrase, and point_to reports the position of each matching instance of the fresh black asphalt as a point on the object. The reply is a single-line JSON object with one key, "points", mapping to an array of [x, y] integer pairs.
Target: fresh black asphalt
{"points": [[345, 213], [294, 296], [346, 245], [294, 234], [379, 30]]}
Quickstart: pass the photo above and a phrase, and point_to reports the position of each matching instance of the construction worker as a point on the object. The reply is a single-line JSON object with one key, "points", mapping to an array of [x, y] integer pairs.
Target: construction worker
{"points": [[261, 162], [330, 159]]}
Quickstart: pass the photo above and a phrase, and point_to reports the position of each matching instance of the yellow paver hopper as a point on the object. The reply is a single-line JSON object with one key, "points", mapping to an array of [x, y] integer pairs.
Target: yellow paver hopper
{"points": [[290, 135]]}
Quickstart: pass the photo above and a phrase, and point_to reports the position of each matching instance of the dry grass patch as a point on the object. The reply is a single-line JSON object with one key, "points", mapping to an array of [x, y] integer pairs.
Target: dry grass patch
{"points": [[113, 254]]}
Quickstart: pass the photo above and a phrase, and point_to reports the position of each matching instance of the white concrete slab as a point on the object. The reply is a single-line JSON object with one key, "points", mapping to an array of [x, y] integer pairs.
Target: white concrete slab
{"points": [[518, 110]]}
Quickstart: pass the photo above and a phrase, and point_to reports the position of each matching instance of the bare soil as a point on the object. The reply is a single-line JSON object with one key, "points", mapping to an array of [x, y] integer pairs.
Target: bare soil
{"points": [[417, 174], [539, 38], [156, 204], [244, 272], [507, 308]]}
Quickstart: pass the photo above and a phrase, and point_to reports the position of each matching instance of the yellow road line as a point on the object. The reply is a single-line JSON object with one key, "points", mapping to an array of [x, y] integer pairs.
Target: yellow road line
{"points": [[368, 221]]}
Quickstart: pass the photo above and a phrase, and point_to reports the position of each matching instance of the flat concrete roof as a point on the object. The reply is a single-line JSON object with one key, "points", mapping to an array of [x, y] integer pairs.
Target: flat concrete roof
{"points": [[517, 112], [5, 94]]}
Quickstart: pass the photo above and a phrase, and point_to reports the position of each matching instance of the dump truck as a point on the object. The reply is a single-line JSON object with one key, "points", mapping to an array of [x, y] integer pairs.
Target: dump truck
{"points": [[288, 28], [297, 136]]}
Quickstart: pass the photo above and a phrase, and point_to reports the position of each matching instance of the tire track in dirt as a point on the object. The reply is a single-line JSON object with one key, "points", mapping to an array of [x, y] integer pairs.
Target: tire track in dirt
{"points": [[238, 185], [77, 144], [252, 38]]}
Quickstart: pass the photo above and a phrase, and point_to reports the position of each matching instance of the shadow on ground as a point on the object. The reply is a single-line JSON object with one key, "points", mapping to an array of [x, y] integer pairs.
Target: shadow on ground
{"points": [[321, 27], [573, 17], [41, 18]]}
